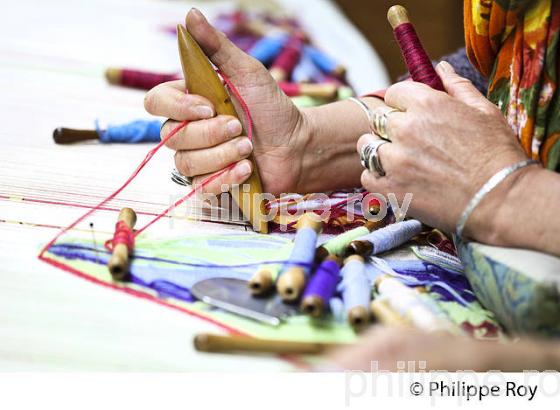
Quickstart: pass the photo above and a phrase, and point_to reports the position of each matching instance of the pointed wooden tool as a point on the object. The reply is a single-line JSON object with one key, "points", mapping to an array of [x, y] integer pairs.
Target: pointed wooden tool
{"points": [[202, 79]]}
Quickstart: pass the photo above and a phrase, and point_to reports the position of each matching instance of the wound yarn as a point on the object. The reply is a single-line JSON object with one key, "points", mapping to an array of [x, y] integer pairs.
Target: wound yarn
{"points": [[143, 80], [415, 57], [355, 285], [268, 47], [392, 236], [303, 252], [337, 245], [131, 133], [323, 282], [123, 235]]}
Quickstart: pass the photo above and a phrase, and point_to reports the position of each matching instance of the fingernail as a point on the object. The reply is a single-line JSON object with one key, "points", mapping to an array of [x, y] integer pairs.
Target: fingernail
{"points": [[233, 128], [203, 111], [244, 147], [445, 67], [243, 169]]}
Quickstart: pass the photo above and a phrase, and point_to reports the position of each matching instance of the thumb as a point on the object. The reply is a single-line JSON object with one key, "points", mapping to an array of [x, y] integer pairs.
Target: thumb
{"points": [[461, 88], [221, 51]]}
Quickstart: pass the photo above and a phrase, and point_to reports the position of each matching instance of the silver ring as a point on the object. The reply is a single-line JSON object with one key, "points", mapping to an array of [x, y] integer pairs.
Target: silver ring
{"points": [[370, 158], [180, 179], [380, 118]]}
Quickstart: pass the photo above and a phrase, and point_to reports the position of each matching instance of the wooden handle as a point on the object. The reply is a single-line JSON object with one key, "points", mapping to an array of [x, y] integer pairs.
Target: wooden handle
{"points": [[120, 259], [291, 283], [261, 282], [310, 220], [230, 344], [202, 79], [358, 318], [68, 135], [397, 15], [113, 75]]}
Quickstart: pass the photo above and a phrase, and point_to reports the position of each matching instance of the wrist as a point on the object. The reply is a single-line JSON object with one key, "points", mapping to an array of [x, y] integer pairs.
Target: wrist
{"points": [[491, 221]]}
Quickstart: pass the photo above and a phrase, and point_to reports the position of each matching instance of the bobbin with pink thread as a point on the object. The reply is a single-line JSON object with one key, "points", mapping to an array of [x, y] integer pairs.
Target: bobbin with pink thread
{"points": [[415, 57]]}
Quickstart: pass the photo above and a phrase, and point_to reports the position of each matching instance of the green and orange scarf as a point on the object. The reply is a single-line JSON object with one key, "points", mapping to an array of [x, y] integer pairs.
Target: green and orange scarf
{"points": [[515, 44]]}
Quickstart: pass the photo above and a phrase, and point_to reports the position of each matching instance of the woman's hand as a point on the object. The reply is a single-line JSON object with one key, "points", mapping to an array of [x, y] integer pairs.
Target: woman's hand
{"points": [[444, 148], [210, 143], [395, 348]]}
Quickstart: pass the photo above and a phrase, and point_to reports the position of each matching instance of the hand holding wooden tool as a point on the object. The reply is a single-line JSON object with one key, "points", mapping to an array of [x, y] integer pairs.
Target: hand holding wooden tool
{"points": [[122, 245], [202, 79]]}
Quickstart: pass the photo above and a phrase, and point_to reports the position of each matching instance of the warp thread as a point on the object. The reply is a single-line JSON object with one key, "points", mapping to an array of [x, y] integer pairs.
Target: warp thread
{"points": [[355, 285], [323, 282], [415, 57], [130, 133], [393, 235], [123, 235]]}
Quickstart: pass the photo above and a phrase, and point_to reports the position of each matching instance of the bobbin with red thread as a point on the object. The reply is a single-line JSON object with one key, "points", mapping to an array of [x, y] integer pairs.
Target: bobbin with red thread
{"points": [[415, 57], [122, 244], [143, 80]]}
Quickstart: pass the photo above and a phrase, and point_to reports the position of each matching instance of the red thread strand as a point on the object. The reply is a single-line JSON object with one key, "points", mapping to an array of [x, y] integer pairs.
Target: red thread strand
{"points": [[415, 57], [123, 235]]}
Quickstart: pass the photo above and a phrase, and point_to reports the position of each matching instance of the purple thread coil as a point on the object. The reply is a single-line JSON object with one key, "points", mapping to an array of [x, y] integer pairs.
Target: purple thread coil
{"points": [[415, 57], [323, 283]]}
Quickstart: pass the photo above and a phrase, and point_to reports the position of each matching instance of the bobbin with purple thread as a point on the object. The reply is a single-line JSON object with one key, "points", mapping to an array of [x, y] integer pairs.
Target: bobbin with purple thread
{"points": [[321, 287]]}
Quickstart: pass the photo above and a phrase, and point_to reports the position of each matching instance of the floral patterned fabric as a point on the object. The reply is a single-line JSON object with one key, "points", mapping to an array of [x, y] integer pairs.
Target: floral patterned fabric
{"points": [[515, 44]]}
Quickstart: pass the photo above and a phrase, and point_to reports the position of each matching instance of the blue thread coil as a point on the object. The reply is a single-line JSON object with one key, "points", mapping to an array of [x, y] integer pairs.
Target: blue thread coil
{"points": [[393, 235], [324, 62], [268, 47], [356, 288], [131, 133], [303, 251], [306, 72]]}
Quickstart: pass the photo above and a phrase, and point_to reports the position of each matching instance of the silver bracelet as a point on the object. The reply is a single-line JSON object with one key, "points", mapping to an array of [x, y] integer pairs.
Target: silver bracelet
{"points": [[486, 188], [366, 109]]}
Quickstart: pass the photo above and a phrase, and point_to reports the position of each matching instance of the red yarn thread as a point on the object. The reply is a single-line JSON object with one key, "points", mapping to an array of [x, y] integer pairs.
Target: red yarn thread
{"points": [[289, 56], [144, 80], [123, 235], [415, 57]]}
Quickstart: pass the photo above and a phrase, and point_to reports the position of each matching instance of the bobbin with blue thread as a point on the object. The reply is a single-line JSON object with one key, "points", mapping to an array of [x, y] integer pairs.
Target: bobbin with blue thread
{"points": [[268, 47], [321, 287], [324, 62], [356, 292], [291, 282], [129, 133], [384, 239]]}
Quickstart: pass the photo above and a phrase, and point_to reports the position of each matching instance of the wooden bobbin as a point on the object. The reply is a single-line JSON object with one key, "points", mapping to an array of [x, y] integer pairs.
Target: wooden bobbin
{"points": [[291, 282], [314, 305], [358, 316], [113, 75], [397, 15], [202, 79], [262, 282], [383, 313], [243, 344], [120, 259], [361, 248]]}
